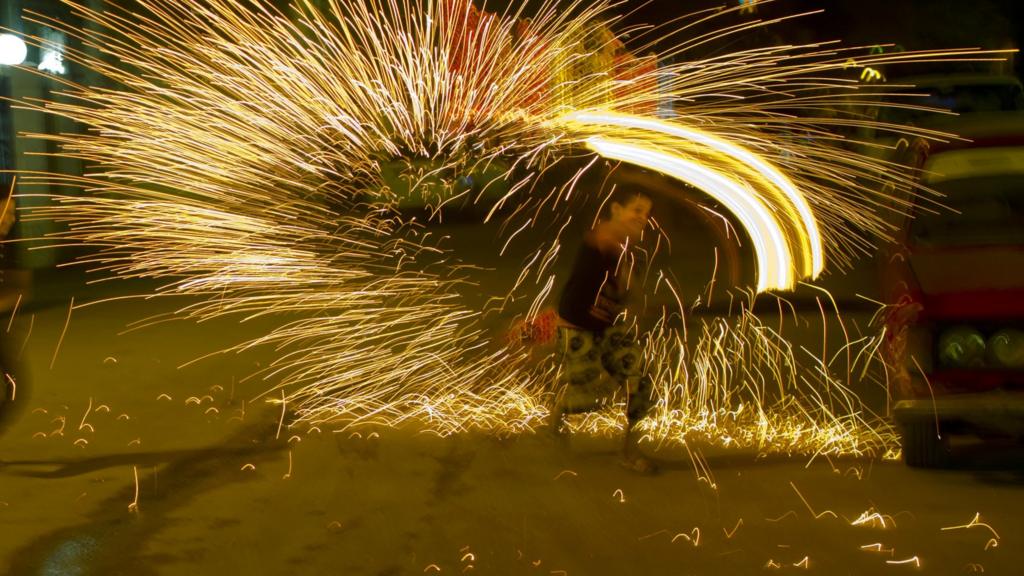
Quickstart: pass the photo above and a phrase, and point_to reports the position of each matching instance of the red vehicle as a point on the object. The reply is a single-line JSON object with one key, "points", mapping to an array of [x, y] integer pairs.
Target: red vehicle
{"points": [[955, 279]]}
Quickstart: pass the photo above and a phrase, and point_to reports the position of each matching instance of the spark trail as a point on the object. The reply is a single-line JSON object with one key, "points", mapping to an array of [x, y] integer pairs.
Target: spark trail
{"points": [[238, 152]]}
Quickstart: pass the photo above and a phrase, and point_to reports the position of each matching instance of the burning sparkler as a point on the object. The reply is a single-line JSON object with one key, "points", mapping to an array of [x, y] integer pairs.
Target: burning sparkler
{"points": [[241, 155]]}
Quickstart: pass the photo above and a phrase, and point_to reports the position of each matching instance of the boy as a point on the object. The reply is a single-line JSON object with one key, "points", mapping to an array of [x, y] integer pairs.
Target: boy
{"points": [[599, 358]]}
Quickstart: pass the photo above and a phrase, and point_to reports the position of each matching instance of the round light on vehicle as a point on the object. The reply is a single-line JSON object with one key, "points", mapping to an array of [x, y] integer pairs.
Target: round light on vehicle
{"points": [[962, 347], [1006, 348]]}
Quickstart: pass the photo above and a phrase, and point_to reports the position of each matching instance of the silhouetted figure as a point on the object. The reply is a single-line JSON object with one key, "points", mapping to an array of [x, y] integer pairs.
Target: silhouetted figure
{"points": [[599, 357]]}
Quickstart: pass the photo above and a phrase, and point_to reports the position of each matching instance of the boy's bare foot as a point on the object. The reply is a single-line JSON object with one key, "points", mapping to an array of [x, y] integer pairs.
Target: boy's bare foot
{"points": [[556, 421], [632, 457]]}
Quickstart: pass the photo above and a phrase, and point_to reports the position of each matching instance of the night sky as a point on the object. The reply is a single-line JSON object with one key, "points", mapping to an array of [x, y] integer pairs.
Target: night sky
{"points": [[914, 24]]}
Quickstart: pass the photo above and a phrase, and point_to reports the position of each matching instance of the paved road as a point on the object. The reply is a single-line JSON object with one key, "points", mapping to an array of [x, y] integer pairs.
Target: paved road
{"points": [[126, 464]]}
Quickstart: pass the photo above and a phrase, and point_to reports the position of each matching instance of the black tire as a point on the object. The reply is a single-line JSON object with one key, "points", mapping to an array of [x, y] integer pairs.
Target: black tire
{"points": [[922, 445]]}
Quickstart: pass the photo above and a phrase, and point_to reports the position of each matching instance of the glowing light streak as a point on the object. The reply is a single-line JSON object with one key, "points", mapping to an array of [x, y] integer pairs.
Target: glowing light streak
{"points": [[912, 560], [878, 547], [268, 202], [652, 535], [873, 519], [63, 422], [134, 505], [796, 206], [931, 393], [701, 468], [693, 537], [869, 74], [816, 515], [774, 262], [28, 334], [730, 533], [280, 422], [63, 332], [975, 522]]}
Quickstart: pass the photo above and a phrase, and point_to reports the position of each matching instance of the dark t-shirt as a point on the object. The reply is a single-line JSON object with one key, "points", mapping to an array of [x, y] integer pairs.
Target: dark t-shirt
{"points": [[593, 296]]}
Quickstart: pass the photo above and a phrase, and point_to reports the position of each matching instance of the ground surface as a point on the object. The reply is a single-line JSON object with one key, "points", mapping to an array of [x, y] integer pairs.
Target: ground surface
{"points": [[125, 463]]}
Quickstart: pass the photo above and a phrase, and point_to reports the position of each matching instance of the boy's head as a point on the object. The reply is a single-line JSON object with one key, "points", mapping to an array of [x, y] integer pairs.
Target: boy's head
{"points": [[628, 209]]}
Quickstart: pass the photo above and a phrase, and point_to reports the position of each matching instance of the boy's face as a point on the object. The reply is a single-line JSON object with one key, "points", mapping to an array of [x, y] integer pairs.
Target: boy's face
{"points": [[633, 216]]}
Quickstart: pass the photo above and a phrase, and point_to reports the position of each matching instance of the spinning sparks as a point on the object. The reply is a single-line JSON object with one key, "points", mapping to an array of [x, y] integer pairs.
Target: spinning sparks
{"points": [[773, 248], [262, 163]]}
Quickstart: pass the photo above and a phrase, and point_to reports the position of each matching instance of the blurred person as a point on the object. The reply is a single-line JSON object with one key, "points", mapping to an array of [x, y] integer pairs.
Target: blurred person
{"points": [[599, 355]]}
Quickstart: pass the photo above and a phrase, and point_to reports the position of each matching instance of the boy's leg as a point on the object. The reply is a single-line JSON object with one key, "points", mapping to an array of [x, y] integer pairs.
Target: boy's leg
{"points": [[557, 416], [638, 405], [622, 358], [584, 384]]}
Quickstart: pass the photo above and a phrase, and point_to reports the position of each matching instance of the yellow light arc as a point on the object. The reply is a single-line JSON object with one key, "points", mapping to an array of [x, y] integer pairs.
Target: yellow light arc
{"points": [[774, 259], [744, 196]]}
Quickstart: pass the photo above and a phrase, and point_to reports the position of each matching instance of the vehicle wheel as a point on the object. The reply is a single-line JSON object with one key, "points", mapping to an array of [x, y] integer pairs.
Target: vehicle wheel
{"points": [[922, 446]]}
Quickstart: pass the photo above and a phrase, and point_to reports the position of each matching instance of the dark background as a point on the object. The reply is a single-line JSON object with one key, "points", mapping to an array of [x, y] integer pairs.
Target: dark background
{"points": [[913, 24]]}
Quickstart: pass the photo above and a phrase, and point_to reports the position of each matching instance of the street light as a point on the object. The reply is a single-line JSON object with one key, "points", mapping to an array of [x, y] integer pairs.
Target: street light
{"points": [[12, 50]]}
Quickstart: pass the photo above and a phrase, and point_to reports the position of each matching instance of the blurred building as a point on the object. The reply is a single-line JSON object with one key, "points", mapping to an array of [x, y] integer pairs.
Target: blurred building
{"points": [[39, 77]]}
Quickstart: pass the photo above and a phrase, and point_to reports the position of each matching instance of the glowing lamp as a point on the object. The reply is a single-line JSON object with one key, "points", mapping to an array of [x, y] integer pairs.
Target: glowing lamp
{"points": [[12, 50], [53, 62]]}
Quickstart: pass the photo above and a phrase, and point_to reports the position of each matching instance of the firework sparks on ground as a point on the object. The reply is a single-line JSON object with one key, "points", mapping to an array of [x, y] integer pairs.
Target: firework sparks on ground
{"points": [[240, 153]]}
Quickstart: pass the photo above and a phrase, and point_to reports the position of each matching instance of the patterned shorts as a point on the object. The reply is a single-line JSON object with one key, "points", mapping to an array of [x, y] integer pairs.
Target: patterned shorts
{"points": [[595, 366]]}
